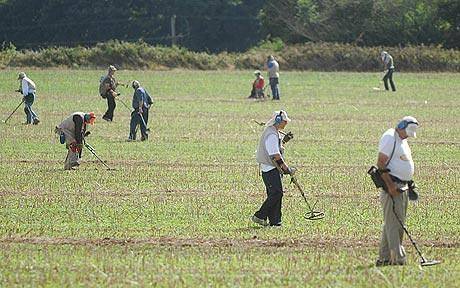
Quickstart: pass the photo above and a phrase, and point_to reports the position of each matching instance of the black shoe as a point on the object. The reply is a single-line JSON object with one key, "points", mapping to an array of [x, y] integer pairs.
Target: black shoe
{"points": [[380, 263], [145, 137], [36, 121], [106, 118]]}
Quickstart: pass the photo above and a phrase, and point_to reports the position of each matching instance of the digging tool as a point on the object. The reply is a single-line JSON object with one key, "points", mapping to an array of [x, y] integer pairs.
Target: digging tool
{"points": [[15, 109], [312, 214], [93, 151], [423, 260]]}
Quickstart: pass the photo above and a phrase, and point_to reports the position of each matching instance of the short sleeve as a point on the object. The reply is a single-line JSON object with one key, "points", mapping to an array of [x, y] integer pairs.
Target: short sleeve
{"points": [[386, 144], [272, 144]]}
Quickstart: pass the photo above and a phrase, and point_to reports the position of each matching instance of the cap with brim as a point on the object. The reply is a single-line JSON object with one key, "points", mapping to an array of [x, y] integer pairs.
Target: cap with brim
{"points": [[285, 116], [112, 68], [21, 75], [411, 130]]}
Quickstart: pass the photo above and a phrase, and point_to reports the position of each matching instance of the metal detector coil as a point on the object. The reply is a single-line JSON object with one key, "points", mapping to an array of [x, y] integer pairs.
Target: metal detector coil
{"points": [[312, 214]]}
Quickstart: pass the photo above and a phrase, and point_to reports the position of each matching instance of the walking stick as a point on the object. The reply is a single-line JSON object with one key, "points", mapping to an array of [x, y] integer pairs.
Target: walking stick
{"points": [[14, 111]]}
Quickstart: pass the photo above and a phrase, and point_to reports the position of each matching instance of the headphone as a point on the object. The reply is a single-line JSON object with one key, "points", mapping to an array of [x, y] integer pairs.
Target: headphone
{"points": [[404, 123], [279, 117]]}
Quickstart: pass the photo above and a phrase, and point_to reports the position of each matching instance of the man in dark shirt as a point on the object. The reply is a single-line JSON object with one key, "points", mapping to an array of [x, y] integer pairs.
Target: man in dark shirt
{"points": [[139, 116], [108, 90]]}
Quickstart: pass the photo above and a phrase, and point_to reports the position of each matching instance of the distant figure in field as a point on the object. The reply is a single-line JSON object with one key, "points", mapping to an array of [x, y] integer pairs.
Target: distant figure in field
{"points": [[388, 69], [28, 88], [107, 90], [258, 86], [72, 132], [140, 116], [270, 157], [396, 168], [273, 74]]}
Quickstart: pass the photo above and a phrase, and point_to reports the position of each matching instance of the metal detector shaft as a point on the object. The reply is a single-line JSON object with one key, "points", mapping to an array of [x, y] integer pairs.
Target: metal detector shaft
{"points": [[15, 109], [143, 122], [423, 260], [92, 150], [124, 104], [294, 180], [312, 214]]}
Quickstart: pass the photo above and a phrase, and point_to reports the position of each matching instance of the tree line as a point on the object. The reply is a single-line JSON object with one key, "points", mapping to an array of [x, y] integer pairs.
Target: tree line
{"points": [[229, 25]]}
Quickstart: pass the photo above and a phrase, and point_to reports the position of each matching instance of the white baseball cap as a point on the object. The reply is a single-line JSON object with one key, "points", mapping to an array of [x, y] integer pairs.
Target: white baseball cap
{"points": [[282, 113], [410, 124]]}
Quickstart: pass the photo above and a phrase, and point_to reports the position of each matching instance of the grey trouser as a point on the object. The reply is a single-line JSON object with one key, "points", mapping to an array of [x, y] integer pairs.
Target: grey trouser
{"points": [[72, 160], [391, 248]]}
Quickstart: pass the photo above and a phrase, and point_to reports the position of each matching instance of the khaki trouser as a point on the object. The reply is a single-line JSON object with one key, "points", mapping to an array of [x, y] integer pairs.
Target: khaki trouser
{"points": [[72, 160], [391, 249]]}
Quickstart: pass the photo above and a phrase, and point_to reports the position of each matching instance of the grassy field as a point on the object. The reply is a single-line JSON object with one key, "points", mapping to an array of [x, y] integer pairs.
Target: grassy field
{"points": [[176, 210]]}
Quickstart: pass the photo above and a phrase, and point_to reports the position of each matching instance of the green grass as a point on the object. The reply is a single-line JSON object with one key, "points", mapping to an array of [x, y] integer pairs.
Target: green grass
{"points": [[176, 211]]}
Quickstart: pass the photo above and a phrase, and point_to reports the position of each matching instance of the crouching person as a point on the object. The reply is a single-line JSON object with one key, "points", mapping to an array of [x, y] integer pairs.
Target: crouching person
{"points": [[72, 132]]}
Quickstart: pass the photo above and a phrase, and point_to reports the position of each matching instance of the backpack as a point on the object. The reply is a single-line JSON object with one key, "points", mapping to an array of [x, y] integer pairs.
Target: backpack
{"points": [[102, 89]]}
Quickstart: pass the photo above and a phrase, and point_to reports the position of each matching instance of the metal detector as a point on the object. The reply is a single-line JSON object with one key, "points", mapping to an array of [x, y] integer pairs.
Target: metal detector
{"points": [[93, 151], [14, 111], [312, 214], [143, 122], [423, 260], [123, 102]]}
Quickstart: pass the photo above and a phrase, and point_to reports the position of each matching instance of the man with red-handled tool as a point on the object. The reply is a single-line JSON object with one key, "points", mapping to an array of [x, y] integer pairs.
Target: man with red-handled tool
{"points": [[72, 132], [269, 155]]}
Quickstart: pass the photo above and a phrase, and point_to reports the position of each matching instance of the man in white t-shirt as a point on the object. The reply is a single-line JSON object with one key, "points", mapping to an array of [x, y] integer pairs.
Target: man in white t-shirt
{"points": [[396, 166], [28, 88], [269, 155]]}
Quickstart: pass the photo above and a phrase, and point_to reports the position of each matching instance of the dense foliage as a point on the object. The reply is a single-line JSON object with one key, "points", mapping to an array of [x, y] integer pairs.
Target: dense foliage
{"points": [[230, 25], [309, 56]]}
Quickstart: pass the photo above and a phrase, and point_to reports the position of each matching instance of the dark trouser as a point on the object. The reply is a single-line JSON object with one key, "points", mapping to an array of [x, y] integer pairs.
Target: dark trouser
{"points": [[136, 120], [274, 85], [110, 107], [271, 207], [389, 76], [30, 114]]}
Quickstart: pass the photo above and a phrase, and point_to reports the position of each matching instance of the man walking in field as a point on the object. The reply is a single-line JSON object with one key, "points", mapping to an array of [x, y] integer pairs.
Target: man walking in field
{"points": [[269, 155], [273, 74], [396, 167], [389, 68], [27, 88], [141, 104], [107, 89], [72, 131]]}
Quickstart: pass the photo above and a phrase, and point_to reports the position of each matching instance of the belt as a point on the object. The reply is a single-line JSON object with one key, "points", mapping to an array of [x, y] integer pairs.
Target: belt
{"points": [[396, 179]]}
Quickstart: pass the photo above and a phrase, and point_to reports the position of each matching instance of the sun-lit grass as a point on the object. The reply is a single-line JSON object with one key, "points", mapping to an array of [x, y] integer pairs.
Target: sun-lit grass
{"points": [[196, 180]]}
